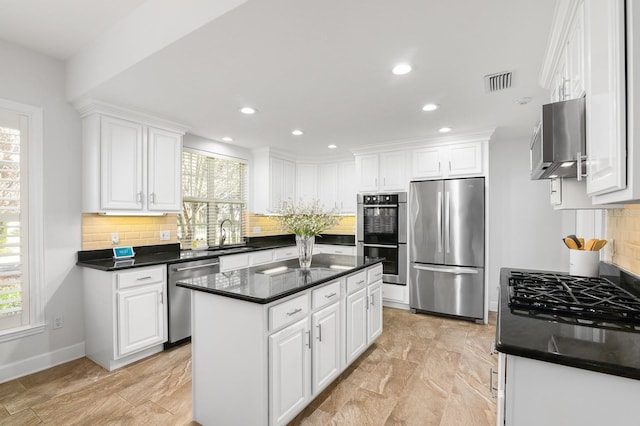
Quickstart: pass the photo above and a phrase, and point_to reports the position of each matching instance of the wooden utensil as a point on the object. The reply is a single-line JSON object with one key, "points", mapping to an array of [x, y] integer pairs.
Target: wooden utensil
{"points": [[570, 243], [575, 240], [598, 245], [590, 244]]}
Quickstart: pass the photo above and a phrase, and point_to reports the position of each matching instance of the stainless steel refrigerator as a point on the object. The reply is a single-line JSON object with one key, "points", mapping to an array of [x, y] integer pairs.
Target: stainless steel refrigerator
{"points": [[446, 247]]}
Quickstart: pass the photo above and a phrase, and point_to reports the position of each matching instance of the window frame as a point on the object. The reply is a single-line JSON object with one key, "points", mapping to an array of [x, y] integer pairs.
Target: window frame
{"points": [[212, 228], [35, 225]]}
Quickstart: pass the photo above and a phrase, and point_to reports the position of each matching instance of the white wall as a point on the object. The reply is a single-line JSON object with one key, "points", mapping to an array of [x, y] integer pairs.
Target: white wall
{"points": [[524, 230], [37, 80]]}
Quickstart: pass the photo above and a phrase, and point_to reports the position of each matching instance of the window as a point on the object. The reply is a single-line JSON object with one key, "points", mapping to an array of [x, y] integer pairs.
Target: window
{"points": [[213, 190], [20, 220]]}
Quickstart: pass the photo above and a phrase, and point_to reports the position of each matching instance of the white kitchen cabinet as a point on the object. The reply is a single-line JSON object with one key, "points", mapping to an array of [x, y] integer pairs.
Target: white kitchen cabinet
{"points": [[381, 172], [447, 161], [347, 193], [125, 314], [289, 372], [326, 326], [528, 384], [131, 163], [395, 295], [356, 307], [333, 249], [306, 188], [374, 313], [606, 100], [328, 185], [231, 262], [141, 318], [284, 253], [575, 57], [282, 181], [363, 311]]}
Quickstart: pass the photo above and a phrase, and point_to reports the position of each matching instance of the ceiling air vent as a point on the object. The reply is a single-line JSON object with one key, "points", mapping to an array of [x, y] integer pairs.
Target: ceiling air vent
{"points": [[498, 81]]}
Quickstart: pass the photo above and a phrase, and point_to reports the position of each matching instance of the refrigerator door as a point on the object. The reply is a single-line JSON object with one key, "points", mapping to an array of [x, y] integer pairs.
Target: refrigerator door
{"points": [[464, 222], [447, 290], [426, 242]]}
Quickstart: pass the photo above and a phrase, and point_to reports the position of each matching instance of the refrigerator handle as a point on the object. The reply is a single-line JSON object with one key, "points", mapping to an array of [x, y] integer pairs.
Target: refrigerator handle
{"points": [[439, 221], [447, 222], [452, 270]]}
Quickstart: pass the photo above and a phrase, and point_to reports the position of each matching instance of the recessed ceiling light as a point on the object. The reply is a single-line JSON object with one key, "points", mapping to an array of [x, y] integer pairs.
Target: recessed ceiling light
{"points": [[227, 139], [567, 164], [401, 69], [248, 110], [430, 107], [297, 132], [332, 146], [445, 129]]}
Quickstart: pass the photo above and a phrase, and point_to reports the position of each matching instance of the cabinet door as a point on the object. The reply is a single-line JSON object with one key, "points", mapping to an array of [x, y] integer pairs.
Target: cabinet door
{"points": [[605, 101], [427, 163], [306, 182], [392, 171], [276, 178], [288, 181], [575, 56], [374, 323], [367, 172], [165, 171], [141, 318], [289, 371], [465, 159], [326, 346], [347, 192], [356, 329], [121, 164], [328, 185]]}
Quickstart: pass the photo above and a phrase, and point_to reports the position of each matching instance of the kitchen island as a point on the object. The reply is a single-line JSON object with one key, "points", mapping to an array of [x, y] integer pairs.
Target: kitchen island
{"points": [[579, 366], [267, 340]]}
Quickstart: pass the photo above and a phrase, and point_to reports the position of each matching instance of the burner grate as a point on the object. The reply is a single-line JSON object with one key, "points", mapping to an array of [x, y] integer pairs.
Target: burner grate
{"points": [[580, 300]]}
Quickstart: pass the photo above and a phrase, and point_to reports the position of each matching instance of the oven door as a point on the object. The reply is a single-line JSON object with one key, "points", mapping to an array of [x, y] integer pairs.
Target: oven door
{"points": [[393, 267], [380, 224]]}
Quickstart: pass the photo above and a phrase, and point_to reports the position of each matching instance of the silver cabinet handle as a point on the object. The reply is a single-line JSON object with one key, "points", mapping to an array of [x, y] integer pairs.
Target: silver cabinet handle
{"points": [[308, 333], [143, 278], [492, 388], [162, 298], [187, 268], [360, 282], [319, 332], [329, 296], [452, 270], [139, 197], [380, 245], [295, 311], [371, 298]]}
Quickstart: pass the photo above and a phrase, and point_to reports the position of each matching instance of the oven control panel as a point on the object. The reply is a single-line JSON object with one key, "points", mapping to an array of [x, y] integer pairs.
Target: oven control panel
{"points": [[379, 199]]}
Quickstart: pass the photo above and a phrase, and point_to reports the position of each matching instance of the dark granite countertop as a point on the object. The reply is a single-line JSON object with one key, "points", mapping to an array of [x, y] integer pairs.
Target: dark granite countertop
{"points": [[259, 286], [605, 351], [171, 253]]}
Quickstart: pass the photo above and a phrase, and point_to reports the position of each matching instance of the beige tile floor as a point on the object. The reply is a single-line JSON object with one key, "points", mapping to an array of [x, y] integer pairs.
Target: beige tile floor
{"points": [[423, 370]]}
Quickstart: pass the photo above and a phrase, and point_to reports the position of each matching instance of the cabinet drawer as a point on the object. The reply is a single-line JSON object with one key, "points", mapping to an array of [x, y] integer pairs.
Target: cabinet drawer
{"points": [[285, 253], [325, 295], [233, 262], [393, 292], [141, 277], [374, 274], [260, 257], [356, 281], [288, 312]]}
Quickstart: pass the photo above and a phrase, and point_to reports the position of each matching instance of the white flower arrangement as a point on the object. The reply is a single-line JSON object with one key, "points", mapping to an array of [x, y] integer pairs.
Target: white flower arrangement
{"points": [[305, 219]]}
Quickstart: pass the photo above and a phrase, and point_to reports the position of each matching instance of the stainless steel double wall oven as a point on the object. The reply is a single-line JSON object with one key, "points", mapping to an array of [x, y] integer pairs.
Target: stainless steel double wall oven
{"points": [[382, 232]]}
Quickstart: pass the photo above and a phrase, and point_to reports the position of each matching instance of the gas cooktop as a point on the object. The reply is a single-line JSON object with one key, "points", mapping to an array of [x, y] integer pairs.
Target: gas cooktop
{"points": [[595, 302]]}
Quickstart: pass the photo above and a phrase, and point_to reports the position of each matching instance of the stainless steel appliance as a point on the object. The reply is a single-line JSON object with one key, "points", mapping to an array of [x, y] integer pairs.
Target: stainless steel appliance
{"points": [[558, 146], [446, 247], [179, 301], [382, 232]]}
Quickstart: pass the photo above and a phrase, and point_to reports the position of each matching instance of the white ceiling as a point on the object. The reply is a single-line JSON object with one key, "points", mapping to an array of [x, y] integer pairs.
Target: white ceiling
{"points": [[320, 66]]}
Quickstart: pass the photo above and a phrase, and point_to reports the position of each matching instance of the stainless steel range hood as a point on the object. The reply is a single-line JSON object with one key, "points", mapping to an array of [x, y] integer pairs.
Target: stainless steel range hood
{"points": [[559, 140]]}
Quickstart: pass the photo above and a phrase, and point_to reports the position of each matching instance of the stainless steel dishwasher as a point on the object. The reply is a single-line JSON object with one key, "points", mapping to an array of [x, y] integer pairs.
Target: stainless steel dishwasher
{"points": [[179, 303]]}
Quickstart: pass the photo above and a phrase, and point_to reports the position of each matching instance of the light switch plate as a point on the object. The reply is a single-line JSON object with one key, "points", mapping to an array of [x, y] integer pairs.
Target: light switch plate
{"points": [[165, 235]]}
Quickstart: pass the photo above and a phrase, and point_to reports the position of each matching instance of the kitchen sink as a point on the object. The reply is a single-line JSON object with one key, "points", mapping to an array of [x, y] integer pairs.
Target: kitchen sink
{"points": [[230, 249]]}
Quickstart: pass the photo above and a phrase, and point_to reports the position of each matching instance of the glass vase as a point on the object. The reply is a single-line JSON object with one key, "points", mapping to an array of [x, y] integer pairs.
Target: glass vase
{"points": [[305, 250]]}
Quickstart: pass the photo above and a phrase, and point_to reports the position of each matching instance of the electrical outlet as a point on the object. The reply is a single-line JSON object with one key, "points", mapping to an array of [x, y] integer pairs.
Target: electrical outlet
{"points": [[165, 235], [257, 229], [115, 238], [58, 322]]}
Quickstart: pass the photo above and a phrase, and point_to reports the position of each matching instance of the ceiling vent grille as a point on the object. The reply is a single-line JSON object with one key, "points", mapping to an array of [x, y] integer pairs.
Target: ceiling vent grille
{"points": [[496, 82]]}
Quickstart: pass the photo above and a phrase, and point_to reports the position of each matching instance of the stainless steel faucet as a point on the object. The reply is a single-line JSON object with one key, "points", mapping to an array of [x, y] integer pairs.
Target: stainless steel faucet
{"points": [[223, 232]]}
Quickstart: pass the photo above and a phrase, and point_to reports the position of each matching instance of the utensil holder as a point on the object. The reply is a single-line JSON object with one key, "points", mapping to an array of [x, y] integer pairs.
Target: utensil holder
{"points": [[584, 263]]}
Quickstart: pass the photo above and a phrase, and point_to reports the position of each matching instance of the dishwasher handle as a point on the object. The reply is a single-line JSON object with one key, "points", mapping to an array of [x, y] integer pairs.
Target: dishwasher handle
{"points": [[189, 268]]}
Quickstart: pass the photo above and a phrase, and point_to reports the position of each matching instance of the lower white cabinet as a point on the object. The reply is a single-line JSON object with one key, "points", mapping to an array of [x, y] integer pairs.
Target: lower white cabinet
{"points": [[356, 324], [289, 372], [374, 312], [125, 314], [327, 333], [363, 313], [334, 249]]}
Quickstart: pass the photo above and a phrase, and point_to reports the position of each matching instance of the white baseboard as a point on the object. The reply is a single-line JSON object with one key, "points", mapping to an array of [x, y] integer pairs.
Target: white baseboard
{"points": [[493, 306], [40, 362], [393, 304]]}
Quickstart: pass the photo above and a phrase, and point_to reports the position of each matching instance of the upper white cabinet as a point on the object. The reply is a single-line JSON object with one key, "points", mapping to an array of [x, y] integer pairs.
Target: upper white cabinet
{"points": [[381, 172], [347, 193], [274, 181], [568, 72], [605, 101], [441, 162], [328, 185], [336, 186], [131, 162], [307, 182]]}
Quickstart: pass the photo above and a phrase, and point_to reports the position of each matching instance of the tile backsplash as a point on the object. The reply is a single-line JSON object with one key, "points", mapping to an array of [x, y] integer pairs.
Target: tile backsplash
{"points": [[132, 230], [623, 231], [266, 226]]}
